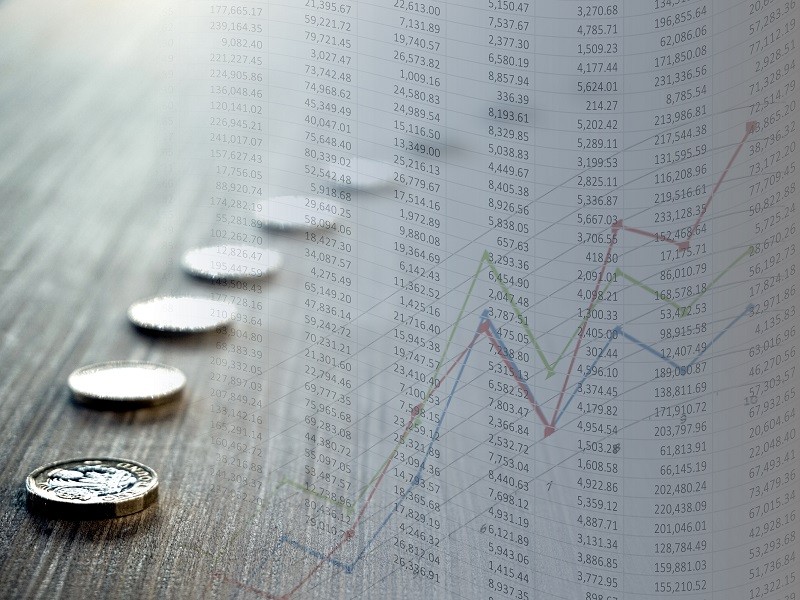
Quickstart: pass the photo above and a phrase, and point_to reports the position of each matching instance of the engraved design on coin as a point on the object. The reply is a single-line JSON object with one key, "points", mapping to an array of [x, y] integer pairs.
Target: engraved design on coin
{"points": [[88, 482], [92, 488]]}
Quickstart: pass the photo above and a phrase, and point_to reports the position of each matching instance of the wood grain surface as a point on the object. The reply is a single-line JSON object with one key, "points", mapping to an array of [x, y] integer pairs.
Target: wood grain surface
{"points": [[105, 180], [105, 177], [98, 206]]}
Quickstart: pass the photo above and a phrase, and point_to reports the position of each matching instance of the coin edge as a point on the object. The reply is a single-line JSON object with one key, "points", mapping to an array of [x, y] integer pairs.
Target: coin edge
{"points": [[62, 509], [89, 399]]}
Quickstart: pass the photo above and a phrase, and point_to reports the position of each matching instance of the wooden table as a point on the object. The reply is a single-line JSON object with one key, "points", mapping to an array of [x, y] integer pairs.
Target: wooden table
{"points": [[102, 188], [96, 213]]}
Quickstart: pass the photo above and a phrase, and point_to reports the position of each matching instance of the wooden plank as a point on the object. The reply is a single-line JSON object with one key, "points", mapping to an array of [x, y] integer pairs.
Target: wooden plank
{"points": [[96, 213], [85, 231]]}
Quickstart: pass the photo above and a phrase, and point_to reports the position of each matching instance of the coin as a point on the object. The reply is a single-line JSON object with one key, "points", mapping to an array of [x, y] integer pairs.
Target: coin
{"points": [[126, 384], [231, 261], [179, 314], [299, 212], [362, 173], [96, 488]]}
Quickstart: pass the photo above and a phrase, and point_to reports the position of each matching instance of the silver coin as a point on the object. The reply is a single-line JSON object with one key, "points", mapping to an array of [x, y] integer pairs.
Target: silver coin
{"points": [[122, 384], [231, 262], [299, 212], [362, 173], [96, 488], [180, 314]]}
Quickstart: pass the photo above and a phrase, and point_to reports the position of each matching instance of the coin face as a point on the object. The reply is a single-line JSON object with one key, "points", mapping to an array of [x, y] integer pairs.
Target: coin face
{"points": [[231, 261], [96, 488], [126, 384], [299, 212], [179, 314]]}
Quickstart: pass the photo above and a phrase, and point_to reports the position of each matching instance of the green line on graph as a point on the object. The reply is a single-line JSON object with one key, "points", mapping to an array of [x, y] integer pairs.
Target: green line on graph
{"points": [[487, 261], [684, 310]]}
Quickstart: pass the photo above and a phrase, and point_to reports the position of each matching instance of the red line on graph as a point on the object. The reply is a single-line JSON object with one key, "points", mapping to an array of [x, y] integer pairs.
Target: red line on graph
{"points": [[515, 374], [615, 229], [350, 533], [483, 329]]}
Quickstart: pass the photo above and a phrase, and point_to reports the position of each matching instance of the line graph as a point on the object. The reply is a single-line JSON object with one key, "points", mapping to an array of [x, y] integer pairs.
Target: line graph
{"points": [[682, 369], [750, 127], [486, 262], [536, 330], [487, 329], [598, 298], [568, 390]]}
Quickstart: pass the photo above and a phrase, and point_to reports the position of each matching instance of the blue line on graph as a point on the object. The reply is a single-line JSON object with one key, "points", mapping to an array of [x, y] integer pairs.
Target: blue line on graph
{"points": [[348, 567], [315, 553], [617, 331], [416, 479], [682, 369]]}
